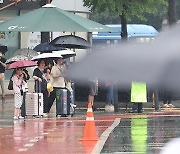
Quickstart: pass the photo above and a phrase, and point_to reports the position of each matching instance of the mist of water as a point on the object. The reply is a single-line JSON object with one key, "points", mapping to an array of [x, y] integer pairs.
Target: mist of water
{"points": [[156, 63]]}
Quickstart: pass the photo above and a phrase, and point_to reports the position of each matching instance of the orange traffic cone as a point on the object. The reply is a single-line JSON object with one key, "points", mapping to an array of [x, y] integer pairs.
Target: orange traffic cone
{"points": [[90, 129]]}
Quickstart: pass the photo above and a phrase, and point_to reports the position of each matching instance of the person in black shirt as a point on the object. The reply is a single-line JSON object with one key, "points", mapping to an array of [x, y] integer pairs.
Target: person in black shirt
{"points": [[41, 82], [2, 70]]}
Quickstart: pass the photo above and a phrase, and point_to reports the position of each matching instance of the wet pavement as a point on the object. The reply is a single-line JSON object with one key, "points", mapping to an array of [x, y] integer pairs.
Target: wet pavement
{"points": [[119, 133]]}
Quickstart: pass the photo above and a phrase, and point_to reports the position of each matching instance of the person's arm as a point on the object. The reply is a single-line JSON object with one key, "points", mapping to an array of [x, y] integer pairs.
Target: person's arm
{"points": [[35, 76], [17, 81], [54, 73], [3, 64]]}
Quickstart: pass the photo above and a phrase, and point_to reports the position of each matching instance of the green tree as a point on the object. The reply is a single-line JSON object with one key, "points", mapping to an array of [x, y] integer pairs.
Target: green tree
{"points": [[126, 9]]}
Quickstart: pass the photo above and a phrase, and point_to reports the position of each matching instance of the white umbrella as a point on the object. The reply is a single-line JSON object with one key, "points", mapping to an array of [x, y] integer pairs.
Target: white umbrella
{"points": [[47, 56], [65, 53]]}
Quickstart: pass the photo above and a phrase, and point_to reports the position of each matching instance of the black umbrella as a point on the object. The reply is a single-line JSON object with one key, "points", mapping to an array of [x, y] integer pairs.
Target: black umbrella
{"points": [[70, 41], [3, 48], [46, 47]]}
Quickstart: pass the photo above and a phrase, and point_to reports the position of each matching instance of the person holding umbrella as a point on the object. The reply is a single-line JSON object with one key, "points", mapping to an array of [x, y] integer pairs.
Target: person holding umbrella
{"points": [[18, 82], [2, 70]]}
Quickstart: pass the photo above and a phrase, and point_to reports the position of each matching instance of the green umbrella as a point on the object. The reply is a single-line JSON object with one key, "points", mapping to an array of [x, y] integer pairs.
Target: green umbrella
{"points": [[52, 19]]}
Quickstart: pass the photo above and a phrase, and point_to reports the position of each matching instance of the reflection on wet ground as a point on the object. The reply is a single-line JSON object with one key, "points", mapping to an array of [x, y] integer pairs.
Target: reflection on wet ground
{"points": [[142, 135], [138, 134]]}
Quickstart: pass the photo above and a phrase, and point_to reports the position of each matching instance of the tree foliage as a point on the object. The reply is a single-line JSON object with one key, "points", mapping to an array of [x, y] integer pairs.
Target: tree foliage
{"points": [[126, 9], [129, 8]]}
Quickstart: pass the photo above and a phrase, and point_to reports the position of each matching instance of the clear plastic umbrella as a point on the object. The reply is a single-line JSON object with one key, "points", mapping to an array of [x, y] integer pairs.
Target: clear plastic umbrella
{"points": [[29, 53]]}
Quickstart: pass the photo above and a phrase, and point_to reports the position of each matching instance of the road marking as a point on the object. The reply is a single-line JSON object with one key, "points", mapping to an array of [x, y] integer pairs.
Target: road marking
{"points": [[23, 149], [39, 137], [29, 145], [44, 133], [34, 140], [104, 136]]}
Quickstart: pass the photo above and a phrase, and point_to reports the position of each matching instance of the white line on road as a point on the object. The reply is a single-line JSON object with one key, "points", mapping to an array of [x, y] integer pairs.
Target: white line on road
{"points": [[23, 149], [29, 145], [34, 140], [99, 145]]}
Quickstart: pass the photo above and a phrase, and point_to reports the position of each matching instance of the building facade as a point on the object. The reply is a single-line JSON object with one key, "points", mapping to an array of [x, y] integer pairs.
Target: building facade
{"points": [[16, 40]]}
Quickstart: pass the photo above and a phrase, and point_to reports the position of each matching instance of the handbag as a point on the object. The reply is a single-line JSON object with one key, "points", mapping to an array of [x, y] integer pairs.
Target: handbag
{"points": [[25, 87], [10, 85], [49, 87]]}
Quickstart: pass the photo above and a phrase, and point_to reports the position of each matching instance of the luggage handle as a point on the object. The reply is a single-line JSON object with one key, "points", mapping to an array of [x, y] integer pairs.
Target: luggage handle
{"points": [[38, 86]]}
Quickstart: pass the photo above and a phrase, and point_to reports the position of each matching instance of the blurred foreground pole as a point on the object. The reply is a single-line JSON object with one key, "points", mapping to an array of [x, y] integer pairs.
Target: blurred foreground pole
{"points": [[115, 98], [156, 100], [45, 36]]}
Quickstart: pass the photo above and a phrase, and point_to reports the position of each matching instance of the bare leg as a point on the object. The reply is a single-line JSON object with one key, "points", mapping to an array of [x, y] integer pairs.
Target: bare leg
{"points": [[16, 112], [91, 99], [153, 104]]}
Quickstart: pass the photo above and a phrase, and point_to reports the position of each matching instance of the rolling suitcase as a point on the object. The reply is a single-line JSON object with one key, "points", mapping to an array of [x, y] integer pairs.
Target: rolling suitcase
{"points": [[64, 102], [34, 103]]}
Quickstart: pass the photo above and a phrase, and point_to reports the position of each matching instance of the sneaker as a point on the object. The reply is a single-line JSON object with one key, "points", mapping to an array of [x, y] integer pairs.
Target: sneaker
{"points": [[45, 115], [58, 116], [171, 106], [15, 118], [107, 107], [166, 106], [21, 118]]}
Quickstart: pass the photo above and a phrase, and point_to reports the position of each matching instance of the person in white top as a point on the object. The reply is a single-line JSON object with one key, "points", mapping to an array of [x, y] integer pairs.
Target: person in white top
{"points": [[18, 83], [57, 79]]}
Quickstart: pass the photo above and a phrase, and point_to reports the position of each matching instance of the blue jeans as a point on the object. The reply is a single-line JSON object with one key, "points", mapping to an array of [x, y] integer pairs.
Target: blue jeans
{"points": [[110, 95]]}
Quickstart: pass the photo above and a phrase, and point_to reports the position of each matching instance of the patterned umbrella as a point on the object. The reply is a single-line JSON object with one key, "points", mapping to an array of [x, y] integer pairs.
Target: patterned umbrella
{"points": [[17, 58], [29, 53]]}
